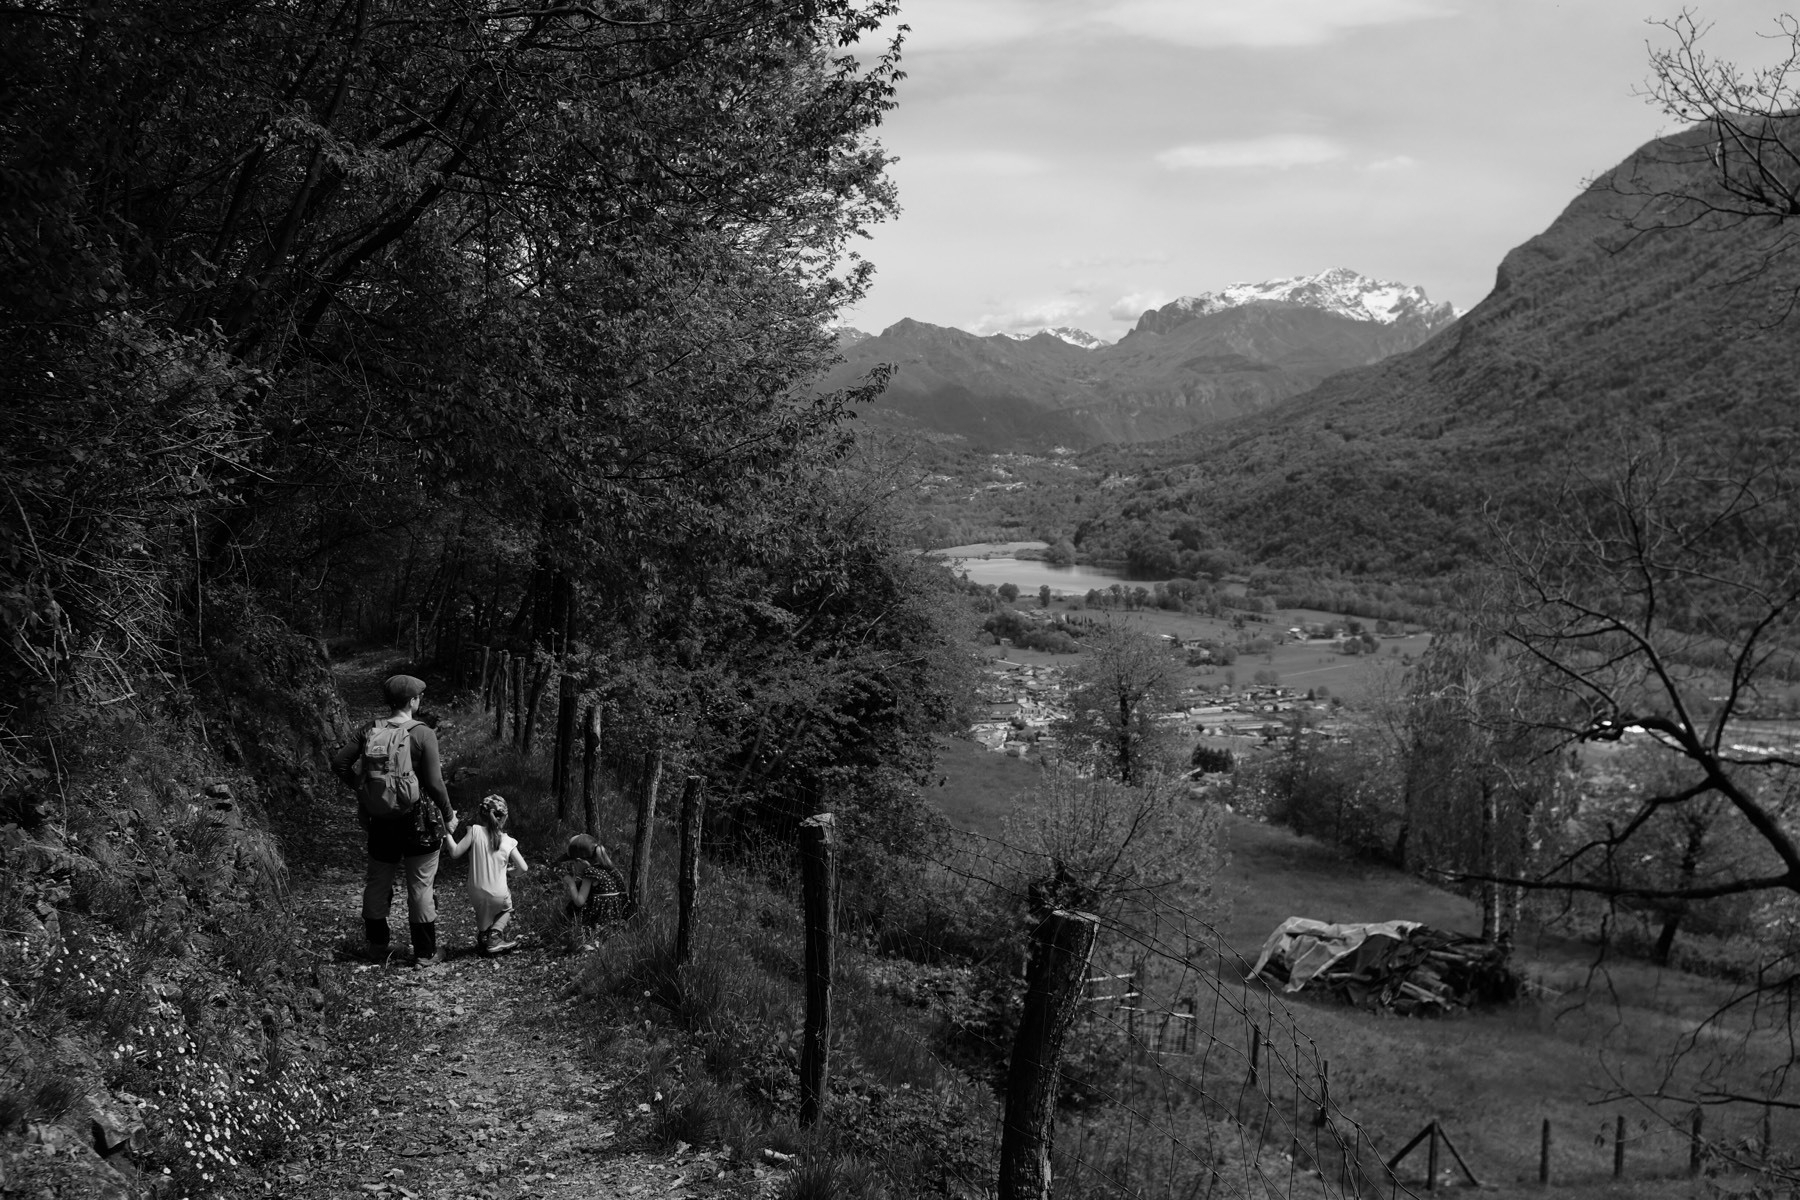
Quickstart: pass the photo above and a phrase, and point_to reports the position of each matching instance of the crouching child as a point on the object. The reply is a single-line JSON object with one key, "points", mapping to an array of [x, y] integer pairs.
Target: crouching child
{"points": [[586, 889]]}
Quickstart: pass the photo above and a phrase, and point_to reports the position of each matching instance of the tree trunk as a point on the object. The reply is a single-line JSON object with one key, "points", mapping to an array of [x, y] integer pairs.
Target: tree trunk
{"points": [[687, 881], [1490, 889], [1060, 949], [517, 684], [566, 703], [502, 671], [590, 768], [818, 889], [539, 681]]}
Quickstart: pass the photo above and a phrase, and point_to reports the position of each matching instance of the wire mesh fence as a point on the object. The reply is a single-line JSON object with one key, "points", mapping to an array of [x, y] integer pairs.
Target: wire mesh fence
{"points": [[1181, 1074]]}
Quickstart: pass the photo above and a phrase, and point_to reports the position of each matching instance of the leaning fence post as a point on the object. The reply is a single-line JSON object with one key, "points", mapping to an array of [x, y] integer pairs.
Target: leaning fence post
{"points": [[1619, 1146], [693, 806], [1060, 948], [1695, 1144], [1255, 1050], [818, 892], [1544, 1156], [639, 899], [1431, 1157]]}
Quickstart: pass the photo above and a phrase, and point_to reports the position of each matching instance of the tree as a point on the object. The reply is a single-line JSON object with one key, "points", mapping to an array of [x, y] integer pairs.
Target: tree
{"points": [[1117, 692], [1103, 846], [1044, 596], [1753, 149], [1009, 592], [1481, 783], [1739, 164], [1659, 608]]}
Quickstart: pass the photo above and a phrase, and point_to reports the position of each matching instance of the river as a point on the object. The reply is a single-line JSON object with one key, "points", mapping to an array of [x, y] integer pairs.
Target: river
{"points": [[997, 563]]}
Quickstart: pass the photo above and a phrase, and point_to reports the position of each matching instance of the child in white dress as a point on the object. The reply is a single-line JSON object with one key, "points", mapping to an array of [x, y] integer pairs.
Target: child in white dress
{"points": [[491, 854]]}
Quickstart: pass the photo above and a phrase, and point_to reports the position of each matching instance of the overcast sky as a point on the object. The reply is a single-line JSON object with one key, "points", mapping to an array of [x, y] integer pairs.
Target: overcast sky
{"points": [[1073, 162]]}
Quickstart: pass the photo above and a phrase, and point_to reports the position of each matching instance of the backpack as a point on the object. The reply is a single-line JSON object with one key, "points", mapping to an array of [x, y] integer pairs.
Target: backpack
{"points": [[387, 786]]}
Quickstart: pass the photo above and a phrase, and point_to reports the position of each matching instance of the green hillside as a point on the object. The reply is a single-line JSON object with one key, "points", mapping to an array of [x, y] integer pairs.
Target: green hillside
{"points": [[1635, 314]]}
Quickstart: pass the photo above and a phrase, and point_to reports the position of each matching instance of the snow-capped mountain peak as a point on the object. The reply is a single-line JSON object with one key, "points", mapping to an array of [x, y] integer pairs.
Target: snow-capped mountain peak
{"points": [[1336, 290], [1077, 337]]}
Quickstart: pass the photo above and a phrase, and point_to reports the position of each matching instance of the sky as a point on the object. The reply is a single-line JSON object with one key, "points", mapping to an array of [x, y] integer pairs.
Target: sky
{"points": [[1075, 162]]}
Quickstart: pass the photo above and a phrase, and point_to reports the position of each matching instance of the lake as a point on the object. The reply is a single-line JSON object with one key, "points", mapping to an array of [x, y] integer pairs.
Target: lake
{"points": [[995, 563]]}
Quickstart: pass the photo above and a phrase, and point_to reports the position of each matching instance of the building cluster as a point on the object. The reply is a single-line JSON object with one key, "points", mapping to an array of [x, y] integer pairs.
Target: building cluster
{"points": [[1022, 701]]}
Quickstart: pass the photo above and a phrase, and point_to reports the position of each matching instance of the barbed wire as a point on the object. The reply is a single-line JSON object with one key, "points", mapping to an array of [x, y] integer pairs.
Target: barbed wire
{"points": [[1183, 1074]]}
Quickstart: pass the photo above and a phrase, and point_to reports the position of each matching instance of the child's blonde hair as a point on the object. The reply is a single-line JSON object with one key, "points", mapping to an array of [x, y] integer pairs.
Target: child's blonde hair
{"points": [[492, 814]]}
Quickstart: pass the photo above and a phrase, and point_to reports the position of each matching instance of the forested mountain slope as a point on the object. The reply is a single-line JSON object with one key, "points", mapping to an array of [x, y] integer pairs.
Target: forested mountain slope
{"points": [[1635, 314]]}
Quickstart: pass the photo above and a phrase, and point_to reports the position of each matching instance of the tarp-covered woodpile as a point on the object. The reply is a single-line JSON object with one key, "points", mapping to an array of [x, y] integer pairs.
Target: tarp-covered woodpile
{"points": [[1398, 965]]}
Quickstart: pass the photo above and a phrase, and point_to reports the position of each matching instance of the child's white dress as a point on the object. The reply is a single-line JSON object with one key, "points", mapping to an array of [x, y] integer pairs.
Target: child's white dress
{"points": [[488, 893]]}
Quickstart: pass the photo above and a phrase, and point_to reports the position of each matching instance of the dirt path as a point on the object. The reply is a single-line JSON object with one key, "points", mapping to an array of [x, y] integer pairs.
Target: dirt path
{"points": [[474, 1078]]}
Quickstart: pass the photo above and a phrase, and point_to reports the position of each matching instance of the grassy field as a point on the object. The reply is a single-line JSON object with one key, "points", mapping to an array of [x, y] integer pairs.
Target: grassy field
{"points": [[1492, 1077], [1299, 665]]}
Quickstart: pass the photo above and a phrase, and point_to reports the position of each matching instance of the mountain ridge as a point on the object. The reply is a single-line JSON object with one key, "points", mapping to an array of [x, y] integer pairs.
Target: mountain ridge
{"points": [[1168, 376]]}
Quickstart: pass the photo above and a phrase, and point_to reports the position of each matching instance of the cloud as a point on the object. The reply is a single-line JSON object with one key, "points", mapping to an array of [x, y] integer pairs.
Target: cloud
{"points": [[1259, 22], [1131, 307], [1029, 317], [1400, 162], [1274, 150], [952, 25]]}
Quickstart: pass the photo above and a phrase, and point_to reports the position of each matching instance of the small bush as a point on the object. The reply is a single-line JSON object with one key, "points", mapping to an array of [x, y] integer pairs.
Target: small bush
{"points": [[697, 1116], [826, 1177]]}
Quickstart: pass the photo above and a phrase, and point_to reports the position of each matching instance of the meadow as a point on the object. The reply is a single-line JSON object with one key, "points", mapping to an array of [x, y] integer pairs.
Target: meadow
{"points": [[1587, 1024]]}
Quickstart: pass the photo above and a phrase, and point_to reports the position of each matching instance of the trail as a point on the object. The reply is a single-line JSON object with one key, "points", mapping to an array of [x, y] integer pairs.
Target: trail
{"points": [[475, 1078]]}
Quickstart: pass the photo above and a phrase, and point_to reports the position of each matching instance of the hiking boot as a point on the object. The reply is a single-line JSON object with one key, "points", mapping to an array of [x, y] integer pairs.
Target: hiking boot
{"points": [[375, 939], [481, 940], [426, 951]]}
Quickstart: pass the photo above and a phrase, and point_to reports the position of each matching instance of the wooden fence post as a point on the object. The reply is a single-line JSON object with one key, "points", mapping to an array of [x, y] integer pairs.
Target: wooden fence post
{"points": [[1695, 1145], [818, 891], [1324, 1113], [1060, 948], [1544, 1156], [501, 672], [687, 881], [1619, 1146], [639, 899], [1255, 1050], [1431, 1158], [590, 766]]}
